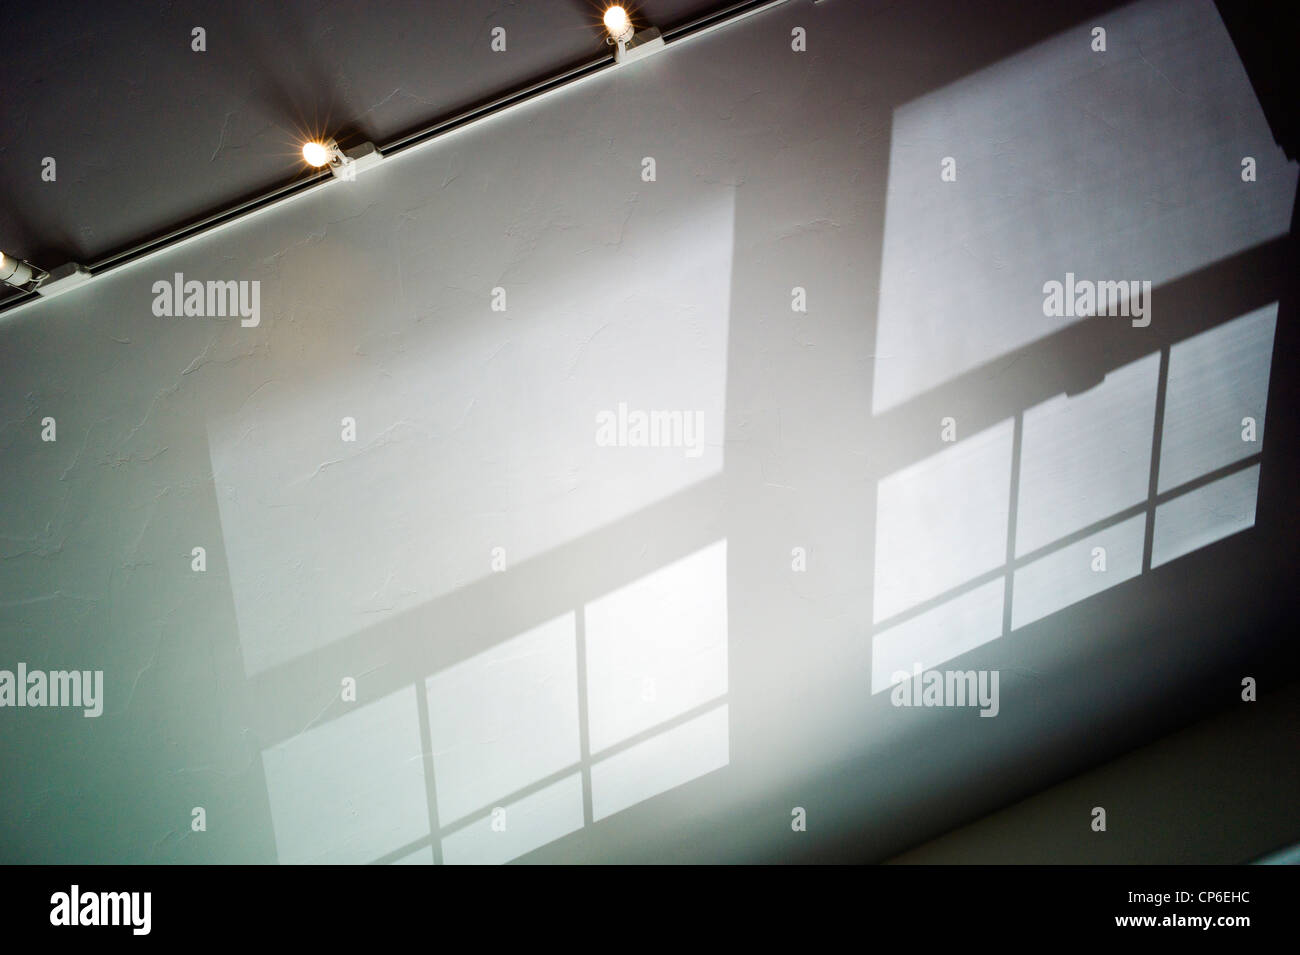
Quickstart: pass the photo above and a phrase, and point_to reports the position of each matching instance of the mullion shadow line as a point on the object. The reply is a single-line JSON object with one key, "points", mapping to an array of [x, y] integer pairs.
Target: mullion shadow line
{"points": [[1157, 441], [1082, 352], [430, 777], [468, 621], [402, 852], [1147, 507], [583, 766], [584, 727], [1008, 593]]}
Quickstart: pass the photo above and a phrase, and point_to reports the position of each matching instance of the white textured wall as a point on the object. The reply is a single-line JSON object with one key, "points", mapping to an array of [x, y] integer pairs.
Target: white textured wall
{"points": [[647, 677]]}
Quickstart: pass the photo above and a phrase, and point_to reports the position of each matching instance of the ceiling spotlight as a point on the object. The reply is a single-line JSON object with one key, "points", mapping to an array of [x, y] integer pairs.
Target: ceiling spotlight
{"points": [[16, 272], [319, 154], [23, 275], [619, 24], [343, 165], [628, 42]]}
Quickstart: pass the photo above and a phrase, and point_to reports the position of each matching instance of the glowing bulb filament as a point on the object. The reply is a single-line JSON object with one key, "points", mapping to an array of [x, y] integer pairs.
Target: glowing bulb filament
{"points": [[619, 24]]}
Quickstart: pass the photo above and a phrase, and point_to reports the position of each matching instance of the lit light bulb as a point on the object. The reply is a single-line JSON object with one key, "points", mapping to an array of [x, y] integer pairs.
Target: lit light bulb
{"points": [[316, 154], [618, 24]]}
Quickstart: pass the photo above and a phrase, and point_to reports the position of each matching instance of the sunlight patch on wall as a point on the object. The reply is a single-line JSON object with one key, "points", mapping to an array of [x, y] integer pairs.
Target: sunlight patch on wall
{"points": [[1122, 172]]}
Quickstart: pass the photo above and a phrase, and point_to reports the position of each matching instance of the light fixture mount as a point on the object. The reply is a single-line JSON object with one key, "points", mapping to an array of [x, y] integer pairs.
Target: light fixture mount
{"points": [[629, 43], [62, 279], [355, 160], [343, 164], [643, 43], [18, 274], [29, 278]]}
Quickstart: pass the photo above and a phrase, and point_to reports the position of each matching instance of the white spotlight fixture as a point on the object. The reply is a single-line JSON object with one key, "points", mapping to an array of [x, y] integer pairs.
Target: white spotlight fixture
{"points": [[342, 164], [629, 44], [23, 275], [17, 273]]}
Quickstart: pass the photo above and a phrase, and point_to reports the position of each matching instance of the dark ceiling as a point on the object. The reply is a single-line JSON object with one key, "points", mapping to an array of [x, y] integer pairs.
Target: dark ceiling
{"points": [[148, 134]]}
